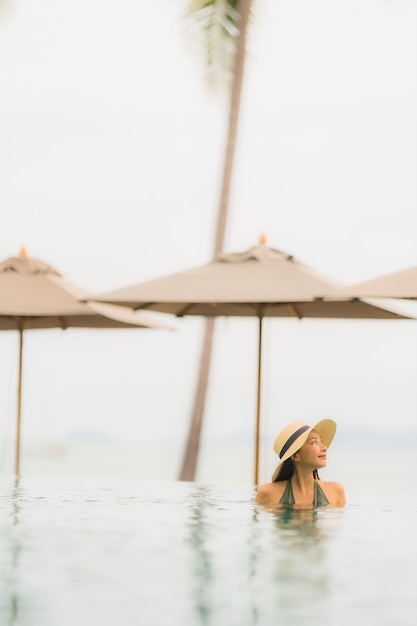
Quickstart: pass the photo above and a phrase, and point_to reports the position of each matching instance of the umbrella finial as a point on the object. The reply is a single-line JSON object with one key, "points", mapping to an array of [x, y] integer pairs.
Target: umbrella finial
{"points": [[262, 239], [22, 251]]}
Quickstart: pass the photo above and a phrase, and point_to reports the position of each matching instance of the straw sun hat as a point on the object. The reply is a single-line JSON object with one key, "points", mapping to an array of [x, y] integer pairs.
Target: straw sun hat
{"points": [[293, 436]]}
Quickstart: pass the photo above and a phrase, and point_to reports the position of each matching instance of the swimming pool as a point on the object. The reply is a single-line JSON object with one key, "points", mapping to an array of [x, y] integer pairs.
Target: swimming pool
{"points": [[153, 553]]}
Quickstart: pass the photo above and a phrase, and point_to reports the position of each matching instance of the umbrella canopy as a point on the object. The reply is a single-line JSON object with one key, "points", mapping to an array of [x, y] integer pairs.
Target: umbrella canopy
{"points": [[402, 284], [261, 282], [33, 295]]}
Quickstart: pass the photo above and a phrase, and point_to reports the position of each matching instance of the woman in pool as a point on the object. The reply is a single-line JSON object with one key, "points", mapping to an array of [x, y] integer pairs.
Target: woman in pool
{"points": [[295, 481]]}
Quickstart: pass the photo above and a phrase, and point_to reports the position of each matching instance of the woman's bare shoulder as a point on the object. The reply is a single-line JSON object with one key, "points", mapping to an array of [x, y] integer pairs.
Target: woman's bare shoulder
{"points": [[333, 485], [270, 493], [335, 490]]}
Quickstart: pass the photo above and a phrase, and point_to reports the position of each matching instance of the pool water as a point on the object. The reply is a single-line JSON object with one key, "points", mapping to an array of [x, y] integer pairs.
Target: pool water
{"points": [[78, 552]]}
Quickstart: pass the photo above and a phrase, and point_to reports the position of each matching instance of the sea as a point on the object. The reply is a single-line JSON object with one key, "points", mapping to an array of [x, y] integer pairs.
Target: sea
{"points": [[82, 544]]}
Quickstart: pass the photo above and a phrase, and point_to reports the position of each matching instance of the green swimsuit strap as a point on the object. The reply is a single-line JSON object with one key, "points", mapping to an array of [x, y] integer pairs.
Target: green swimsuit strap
{"points": [[288, 496], [319, 496]]}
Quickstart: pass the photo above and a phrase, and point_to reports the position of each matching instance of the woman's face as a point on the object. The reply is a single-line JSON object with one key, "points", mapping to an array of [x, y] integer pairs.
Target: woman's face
{"points": [[313, 452]]}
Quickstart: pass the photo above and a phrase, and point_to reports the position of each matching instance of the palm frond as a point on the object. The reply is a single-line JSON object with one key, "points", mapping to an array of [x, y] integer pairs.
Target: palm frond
{"points": [[214, 25]]}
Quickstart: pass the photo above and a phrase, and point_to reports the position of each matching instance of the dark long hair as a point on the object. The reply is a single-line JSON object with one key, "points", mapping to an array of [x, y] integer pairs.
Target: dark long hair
{"points": [[287, 470]]}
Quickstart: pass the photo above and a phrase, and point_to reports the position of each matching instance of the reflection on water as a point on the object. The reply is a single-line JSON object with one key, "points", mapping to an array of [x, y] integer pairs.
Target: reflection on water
{"points": [[218, 571], [201, 566], [293, 544], [274, 556], [302, 570], [11, 555], [300, 519], [179, 553]]}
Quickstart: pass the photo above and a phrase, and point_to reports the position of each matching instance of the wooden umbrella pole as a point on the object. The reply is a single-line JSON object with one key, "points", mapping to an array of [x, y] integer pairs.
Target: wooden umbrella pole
{"points": [[258, 403], [19, 404]]}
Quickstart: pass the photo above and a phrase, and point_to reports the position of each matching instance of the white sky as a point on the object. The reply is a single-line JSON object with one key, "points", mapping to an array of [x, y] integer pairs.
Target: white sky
{"points": [[111, 150]]}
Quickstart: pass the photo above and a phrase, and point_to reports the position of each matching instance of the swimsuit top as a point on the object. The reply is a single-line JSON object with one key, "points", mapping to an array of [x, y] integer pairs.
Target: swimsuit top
{"points": [[319, 495]]}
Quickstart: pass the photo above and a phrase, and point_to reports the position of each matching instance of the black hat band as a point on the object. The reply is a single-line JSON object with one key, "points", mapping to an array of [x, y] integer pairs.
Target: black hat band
{"points": [[291, 439]]}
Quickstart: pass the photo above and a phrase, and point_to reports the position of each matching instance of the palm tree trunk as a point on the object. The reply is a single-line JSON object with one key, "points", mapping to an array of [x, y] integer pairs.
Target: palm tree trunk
{"points": [[189, 465]]}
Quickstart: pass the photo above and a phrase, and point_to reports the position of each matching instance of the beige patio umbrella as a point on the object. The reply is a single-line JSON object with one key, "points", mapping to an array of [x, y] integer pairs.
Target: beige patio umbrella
{"points": [[260, 282], [34, 296], [402, 284]]}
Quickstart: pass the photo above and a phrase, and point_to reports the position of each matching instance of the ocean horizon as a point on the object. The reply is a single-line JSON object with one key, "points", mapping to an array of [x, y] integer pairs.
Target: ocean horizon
{"points": [[358, 460]]}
